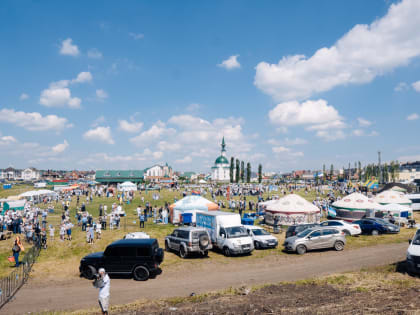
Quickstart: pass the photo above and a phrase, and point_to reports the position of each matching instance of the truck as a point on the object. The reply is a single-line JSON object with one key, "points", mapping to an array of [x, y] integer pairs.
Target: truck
{"points": [[226, 232]]}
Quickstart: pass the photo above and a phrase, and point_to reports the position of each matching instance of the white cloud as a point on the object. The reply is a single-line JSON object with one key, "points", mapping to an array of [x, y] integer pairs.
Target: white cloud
{"points": [[34, 121], [402, 86], [168, 146], [23, 96], [363, 122], [365, 52], [287, 141], [83, 77], [184, 160], [416, 86], [68, 48], [129, 126], [100, 120], [101, 134], [6, 140], [280, 149], [156, 131], [61, 147], [330, 135], [136, 36], [101, 94], [230, 63], [413, 116], [318, 114], [358, 132], [94, 53]]}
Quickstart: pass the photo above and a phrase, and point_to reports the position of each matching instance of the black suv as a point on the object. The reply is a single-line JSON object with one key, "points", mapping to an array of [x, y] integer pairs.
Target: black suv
{"points": [[296, 229], [187, 240], [137, 257]]}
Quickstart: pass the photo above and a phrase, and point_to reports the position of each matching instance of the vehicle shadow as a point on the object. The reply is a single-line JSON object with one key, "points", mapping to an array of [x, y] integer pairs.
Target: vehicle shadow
{"points": [[321, 250]]}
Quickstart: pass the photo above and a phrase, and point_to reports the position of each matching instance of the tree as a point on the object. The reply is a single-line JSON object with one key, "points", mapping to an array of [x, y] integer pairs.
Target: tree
{"points": [[385, 174], [242, 171], [331, 171], [260, 173], [237, 171], [232, 166], [248, 172], [324, 174]]}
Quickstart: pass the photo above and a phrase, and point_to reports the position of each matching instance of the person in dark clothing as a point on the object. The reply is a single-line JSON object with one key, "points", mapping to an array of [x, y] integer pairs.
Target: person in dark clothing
{"points": [[17, 247]]}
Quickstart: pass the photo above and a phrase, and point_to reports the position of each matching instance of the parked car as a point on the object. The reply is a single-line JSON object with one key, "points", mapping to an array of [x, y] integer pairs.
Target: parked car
{"points": [[137, 235], [376, 226], [137, 257], [413, 254], [343, 226], [296, 229], [261, 238], [188, 240], [226, 232], [315, 238]]}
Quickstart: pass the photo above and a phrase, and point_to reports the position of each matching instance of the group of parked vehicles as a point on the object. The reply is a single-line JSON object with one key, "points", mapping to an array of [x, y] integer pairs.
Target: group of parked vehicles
{"points": [[139, 255]]}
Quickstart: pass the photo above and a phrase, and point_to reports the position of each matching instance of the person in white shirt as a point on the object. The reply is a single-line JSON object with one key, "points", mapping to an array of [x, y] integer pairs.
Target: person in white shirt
{"points": [[103, 283]]}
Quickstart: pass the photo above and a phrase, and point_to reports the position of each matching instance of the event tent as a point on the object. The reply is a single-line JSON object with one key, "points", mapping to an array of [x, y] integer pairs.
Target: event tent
{"points": [[392, 196], [354, 206], [13, 205], [32, 194], [127, 186], [190, 204], [397, 210], [292, 209]]}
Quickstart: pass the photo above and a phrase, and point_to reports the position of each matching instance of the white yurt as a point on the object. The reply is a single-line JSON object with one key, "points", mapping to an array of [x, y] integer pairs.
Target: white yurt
{"points": [[291, 209], [355, 206], [392, 196]]}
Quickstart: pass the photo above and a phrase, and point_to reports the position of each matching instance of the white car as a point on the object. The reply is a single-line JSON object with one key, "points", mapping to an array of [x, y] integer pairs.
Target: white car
{"points": [[343, 226], [137, 235], [261, 238], [413, 254]]}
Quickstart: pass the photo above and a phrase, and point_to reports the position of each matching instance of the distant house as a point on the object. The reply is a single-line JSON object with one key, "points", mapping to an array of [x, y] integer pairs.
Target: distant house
{"points": [[158, 173], [119, 176], [51, 175], [31, 174], [11, 173]]}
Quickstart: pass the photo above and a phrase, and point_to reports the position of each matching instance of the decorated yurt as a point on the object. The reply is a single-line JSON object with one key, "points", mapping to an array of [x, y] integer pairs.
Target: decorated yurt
{"points": [[392, 196], [292, 209], [190, 204], [354, 207]]}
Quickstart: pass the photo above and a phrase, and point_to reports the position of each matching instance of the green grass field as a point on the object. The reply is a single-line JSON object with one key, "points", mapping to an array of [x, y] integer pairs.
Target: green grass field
{"points": [[61, 259]]}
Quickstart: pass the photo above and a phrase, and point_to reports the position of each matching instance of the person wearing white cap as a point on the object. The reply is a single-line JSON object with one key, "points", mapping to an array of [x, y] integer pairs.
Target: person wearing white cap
{"points": [[104, 284]]}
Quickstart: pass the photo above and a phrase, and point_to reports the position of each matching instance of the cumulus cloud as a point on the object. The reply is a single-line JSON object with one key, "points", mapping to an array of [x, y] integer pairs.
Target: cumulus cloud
{"points": [[6, 140], [365, 52], [101, 94], [230, 63], [68, 48], [23, 96], [61, 147], [94, 53], [156, 131], [136, 36], [129, 126], [101, 134], [363, 122], [83, 77], [416, 86], [413, 116], [34, 121]]}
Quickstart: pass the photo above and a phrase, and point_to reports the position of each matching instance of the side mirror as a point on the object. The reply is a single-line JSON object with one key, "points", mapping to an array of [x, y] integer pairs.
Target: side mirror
{"points": [[222, 235], [409, 241], [309, 237]]}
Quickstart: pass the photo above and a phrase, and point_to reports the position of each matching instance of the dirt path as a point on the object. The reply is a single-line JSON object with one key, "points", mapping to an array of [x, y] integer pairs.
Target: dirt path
{"points": [[202, 277]]}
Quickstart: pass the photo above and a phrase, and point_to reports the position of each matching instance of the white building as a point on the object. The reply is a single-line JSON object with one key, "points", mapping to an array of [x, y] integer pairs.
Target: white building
{"points": [[221, 169], [30, 174], [158, 172]]}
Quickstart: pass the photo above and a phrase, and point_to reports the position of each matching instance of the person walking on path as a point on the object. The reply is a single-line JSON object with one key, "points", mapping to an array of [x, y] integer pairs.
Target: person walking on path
{"points": [[103, 283], [17, 247]]}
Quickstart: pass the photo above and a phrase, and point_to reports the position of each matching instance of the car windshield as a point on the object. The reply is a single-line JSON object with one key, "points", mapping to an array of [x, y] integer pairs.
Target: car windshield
{"points": [[237, 231], [304, 233], [259, 232]]}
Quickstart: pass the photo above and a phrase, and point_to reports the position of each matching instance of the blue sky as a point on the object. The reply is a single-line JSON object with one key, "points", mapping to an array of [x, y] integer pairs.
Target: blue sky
{"points": [[290, 84]]}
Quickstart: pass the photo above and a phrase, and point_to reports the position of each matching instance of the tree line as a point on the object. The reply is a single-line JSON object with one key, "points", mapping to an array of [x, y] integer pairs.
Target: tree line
{"points": [[238, 172]]}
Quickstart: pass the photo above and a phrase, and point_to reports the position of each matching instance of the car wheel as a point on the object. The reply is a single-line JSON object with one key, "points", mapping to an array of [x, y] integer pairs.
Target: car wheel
{"points": [[347, 233], [226, 251], [182, 252], [301, 249], [375, 232], [141, 273], [257, 245], [167, 248], [89, 272], [338, 246]]}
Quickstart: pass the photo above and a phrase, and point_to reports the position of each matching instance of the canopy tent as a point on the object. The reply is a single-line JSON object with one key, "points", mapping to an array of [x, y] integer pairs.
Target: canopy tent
{"points": [[397, 210], [292, 209], [127, 186], [202, 181], [354, 206], [392, 196], [32, 194], [190, 204], [13, 205]]}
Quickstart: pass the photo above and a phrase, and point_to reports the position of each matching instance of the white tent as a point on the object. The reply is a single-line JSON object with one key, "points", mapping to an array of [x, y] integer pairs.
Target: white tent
{"points": [[202, 181], [127, 186], [355, 206], [32, 194], [392, 196], [292, 209]]}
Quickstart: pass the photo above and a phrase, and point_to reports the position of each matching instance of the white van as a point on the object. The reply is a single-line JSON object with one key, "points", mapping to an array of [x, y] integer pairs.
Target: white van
{"points": [[226, 232], [413, 254], [415, 199]]}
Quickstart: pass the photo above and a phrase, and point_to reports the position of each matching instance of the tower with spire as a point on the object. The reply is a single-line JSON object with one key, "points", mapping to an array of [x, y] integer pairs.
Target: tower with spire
{"points": [[221, 168]]}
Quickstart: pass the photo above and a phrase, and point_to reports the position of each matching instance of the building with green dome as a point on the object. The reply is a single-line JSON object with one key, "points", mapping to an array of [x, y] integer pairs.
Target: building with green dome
{"points": [[220, 170]]}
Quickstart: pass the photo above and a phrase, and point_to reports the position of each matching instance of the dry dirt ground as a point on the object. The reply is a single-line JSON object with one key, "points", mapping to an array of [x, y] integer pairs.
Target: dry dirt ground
{"points": [[205, 276]]}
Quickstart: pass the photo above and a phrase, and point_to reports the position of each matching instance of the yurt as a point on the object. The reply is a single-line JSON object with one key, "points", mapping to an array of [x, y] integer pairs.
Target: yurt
{"points": [[392, 196], [354, 207], [190, 204], [292, 209]]}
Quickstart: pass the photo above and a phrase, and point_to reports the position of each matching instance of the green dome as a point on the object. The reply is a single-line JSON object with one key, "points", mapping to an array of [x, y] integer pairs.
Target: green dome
{"points": [[221, 160]]}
